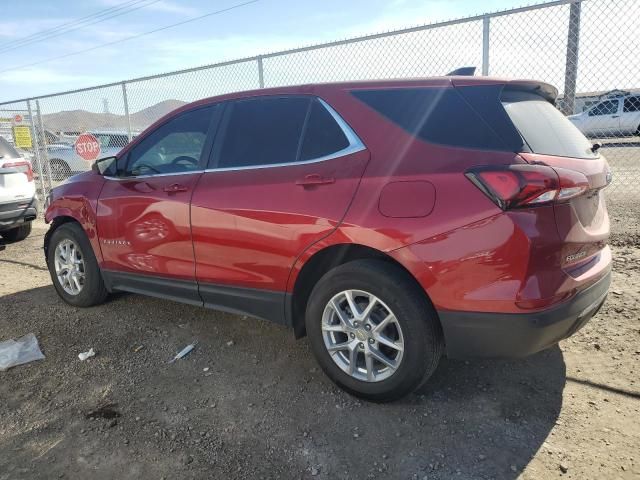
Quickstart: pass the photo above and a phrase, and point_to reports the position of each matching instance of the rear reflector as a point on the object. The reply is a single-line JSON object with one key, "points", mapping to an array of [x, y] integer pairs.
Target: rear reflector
{"points": [[522, 186], [22, 166]]}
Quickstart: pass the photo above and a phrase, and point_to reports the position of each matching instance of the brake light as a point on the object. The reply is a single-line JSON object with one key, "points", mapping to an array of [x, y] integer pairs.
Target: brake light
{"points": [[22, 166], [521, 185]]}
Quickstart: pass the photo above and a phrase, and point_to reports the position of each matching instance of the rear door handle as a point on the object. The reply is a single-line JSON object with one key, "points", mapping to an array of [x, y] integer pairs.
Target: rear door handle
{"points": [[615, 116], [314, 179], [175, 188]]}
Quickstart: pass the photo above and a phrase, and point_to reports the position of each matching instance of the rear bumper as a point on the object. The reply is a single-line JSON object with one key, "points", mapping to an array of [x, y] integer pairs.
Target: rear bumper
{"points": [[15, 214], [469, 334]]}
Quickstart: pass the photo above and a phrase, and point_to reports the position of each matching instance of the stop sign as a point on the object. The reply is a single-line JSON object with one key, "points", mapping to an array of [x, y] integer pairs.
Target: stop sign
{"points": [[87, 146], [17, 118]]}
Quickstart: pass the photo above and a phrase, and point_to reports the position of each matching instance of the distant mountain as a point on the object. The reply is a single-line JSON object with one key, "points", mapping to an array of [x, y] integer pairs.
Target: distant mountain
{"points": [[147, 116], [81, 120]]}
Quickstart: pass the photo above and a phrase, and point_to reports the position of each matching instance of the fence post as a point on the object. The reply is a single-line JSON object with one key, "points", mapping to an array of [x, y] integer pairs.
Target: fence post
{"points": [[260, 72], [571, 65], [485, 45], [126, 109], [36, 148], [47, 166]]}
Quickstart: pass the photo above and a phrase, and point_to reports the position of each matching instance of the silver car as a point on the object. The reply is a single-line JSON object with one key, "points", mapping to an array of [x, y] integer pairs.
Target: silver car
{"points": [[64, 161]]}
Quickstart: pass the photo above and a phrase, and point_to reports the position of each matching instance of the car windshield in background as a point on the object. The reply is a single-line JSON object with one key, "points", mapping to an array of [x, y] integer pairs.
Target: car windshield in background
{"points": [[7, 151], [545, 129]]}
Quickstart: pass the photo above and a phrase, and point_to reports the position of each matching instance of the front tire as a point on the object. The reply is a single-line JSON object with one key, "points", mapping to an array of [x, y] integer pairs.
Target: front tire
{"points": [[373, 330], [73, 267], [18, 233]]}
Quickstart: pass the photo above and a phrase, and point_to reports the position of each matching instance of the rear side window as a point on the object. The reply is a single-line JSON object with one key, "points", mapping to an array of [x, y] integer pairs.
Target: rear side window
{"points": [[631, 104], [436, 115], [544, 128], [263, 131], [7, 152], [322, 136]]}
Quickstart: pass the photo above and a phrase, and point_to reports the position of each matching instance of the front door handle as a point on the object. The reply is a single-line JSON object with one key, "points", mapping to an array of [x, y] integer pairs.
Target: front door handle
{"points": [[615, 116], [175, 188], [314, 179]]}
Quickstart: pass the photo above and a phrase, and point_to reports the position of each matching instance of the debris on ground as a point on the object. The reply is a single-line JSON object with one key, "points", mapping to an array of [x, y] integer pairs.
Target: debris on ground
{"points": [[84, 355], [18, 352], [184, 352]]}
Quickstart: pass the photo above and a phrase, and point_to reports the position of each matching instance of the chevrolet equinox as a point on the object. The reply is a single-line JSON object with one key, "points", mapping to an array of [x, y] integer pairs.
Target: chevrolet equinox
{"points": [[391, 221]]}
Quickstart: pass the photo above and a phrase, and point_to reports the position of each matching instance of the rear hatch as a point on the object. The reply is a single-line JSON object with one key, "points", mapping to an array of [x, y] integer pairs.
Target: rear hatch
{"points": [[581, 218], [562, 168]]}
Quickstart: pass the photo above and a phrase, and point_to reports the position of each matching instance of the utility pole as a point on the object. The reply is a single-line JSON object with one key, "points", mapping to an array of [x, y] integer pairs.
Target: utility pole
{"points": [[571, 66]]}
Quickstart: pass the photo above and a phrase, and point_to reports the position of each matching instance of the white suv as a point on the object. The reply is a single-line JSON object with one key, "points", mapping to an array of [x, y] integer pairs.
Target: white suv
{"points": [[17, 194], [611, 117]]}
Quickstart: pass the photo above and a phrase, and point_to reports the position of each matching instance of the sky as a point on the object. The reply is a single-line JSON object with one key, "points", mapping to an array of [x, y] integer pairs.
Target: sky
{"points": [[531, 44], [263, 26]]}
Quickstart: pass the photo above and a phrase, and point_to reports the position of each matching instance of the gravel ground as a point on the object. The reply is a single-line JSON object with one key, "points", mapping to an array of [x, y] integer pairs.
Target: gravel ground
{"points": [[250, 401]]}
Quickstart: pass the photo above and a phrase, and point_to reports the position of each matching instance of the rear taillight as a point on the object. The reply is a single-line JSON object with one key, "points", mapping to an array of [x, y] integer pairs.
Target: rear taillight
{"points": [[521, 186], [22, 166]]}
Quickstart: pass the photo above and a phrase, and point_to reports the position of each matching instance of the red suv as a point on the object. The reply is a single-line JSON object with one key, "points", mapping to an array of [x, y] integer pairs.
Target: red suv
{"points": [[389, 221]]}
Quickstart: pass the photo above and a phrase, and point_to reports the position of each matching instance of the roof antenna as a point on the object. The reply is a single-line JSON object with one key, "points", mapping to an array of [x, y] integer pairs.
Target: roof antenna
{"points": [[463, 71]]}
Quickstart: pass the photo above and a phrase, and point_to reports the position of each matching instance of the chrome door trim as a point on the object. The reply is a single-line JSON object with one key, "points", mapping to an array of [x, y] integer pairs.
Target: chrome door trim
{"points": [[153, 175]]}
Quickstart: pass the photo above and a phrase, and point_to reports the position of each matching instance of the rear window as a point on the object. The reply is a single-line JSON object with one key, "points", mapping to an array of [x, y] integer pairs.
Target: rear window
{"points": [[544, 128], [436, 115], [631, 104], [7, 152]]}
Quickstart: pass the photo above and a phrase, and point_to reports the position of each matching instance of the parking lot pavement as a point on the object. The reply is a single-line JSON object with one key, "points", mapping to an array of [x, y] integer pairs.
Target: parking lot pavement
{"points": [[263, 409]]}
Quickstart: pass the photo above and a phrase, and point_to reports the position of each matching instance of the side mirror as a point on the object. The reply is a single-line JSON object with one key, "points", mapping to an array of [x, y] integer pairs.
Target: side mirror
{"points": [[106, 166]]}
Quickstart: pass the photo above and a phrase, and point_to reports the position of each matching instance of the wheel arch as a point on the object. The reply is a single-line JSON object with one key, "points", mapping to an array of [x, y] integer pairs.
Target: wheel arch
{"points": [[56, 223], [322, 262]]}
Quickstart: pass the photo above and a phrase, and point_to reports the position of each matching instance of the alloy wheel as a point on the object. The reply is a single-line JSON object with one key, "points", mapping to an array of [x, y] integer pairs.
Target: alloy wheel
{"points": [[362, 335], [69, 265]]}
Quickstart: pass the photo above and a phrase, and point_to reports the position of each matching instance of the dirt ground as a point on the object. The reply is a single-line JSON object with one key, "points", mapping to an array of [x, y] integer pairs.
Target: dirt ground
{"points": [[250, 401]]}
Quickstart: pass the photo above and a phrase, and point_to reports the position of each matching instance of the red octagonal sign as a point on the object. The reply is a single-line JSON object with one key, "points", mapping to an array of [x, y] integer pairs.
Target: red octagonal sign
{"points": [[88, 147]]}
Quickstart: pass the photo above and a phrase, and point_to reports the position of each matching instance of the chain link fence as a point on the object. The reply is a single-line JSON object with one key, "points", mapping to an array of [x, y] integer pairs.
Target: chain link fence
{"points": [[588, 49]]}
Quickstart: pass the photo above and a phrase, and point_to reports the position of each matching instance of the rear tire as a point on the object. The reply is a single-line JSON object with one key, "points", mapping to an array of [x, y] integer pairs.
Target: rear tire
{"points": [[415, 329], [18, 233], [89, 289]]}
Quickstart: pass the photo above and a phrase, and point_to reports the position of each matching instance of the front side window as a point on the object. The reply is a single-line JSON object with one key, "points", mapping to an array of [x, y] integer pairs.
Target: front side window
{"points": [[263, 131], [604, 108], [631, 104], [174, 147]]}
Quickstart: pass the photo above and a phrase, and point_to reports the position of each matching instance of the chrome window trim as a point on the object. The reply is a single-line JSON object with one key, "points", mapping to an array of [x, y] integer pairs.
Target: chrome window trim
{"points": [[355, 145], [152, 175]]}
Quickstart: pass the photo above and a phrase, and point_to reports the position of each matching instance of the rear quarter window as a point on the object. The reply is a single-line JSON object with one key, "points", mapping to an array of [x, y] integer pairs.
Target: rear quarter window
{"points": [[436, 115]]}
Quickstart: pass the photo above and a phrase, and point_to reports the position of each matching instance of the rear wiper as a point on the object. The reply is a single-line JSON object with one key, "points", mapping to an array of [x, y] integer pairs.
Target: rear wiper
{"points": [[595, 147]]}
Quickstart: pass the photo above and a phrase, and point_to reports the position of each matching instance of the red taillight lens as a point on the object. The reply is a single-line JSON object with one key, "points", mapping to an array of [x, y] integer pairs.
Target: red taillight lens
{"points": [[520, 186], [22, 166]]}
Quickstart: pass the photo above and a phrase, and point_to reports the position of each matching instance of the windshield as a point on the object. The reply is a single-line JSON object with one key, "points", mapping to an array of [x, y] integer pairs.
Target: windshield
{"points": [[7, 151], [545, 129]]}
